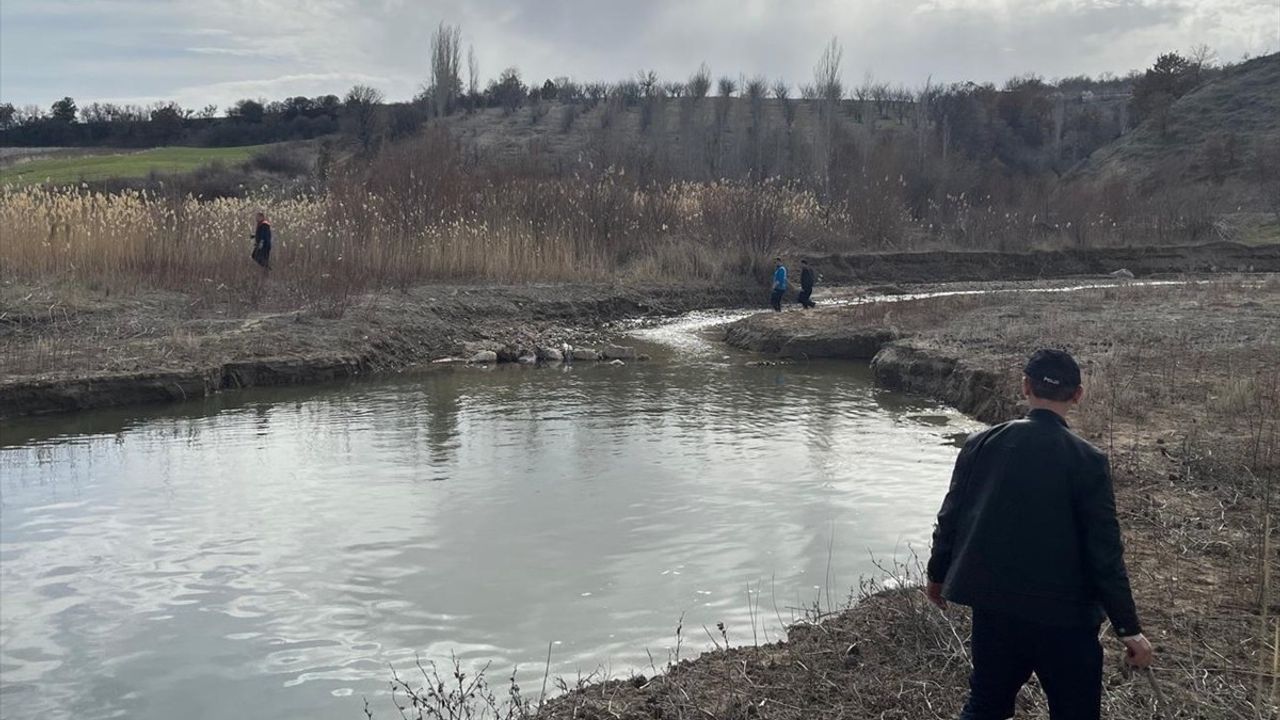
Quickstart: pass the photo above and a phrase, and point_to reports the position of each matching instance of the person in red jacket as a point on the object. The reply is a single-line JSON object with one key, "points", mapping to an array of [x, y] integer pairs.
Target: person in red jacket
{"points": [[262, 241], [1028, 537]]}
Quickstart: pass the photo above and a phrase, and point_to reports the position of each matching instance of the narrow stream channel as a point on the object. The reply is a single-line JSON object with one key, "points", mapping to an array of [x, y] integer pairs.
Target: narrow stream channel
{"points": [[272, 553]]}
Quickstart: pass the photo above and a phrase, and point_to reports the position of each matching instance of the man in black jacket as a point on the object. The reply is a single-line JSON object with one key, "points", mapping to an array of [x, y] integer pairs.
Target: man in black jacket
{"points": [[1027, 536], [806, 285]]}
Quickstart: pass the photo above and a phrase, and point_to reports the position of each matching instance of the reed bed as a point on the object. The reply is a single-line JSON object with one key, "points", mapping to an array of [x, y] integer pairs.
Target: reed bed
{"points": [[390, 225]]}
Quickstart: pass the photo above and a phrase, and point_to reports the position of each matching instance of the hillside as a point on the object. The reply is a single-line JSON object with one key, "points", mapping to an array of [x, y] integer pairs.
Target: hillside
{"points": [[1223, 133], [71, 167], [716, 137]]}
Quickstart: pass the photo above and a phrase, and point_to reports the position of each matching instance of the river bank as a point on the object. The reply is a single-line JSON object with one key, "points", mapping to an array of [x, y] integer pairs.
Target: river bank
{"points": [[1185, 397], [67, 346], [71, 348]]}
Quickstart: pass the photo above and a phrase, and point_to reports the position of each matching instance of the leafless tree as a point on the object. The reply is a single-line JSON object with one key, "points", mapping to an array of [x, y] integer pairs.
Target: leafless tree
{"points": [[828, 90], [473, 71], [826, 74], [362, 103], [674, 89], [901, 98], [700, 82], [1059, 122], [861, 95], [880, 96], [1202, 58], [568, 91], [726, 86], [782, 93], [446, 66], [596, 92], [648, 82], [920, 120]]}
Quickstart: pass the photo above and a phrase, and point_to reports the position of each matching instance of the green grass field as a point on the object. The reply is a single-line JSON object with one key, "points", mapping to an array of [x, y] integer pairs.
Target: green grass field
{"points": [[125, 164]]}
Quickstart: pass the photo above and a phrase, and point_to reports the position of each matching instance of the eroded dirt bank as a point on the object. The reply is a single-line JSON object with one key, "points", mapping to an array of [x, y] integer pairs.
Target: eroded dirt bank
{"points": [[66, 349], [1185, 397]]}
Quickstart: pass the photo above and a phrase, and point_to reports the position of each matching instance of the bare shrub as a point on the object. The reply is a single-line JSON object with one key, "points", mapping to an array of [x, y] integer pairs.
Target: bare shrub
{"points": [[568, 91], [457, 695], [699, 82], [748, 219], [782, 93], [568, 114], [281, 160], [627, 92], [538, 109], [595, 92]]}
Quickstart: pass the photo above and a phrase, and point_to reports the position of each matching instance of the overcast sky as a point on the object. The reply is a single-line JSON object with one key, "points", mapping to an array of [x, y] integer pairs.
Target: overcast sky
{"points": [[216, 51]]}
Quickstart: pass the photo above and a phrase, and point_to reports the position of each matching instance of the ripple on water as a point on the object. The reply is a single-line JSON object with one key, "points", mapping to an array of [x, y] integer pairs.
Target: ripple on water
{"points": [[274, 553]]}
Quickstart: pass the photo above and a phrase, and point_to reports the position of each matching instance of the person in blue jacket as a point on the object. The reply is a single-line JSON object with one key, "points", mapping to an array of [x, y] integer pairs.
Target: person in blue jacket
{"points": [[779, 284]]}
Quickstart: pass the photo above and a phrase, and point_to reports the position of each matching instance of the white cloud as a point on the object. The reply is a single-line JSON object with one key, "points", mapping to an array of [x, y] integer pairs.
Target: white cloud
{"points": [[142, 48], [234, 52]]}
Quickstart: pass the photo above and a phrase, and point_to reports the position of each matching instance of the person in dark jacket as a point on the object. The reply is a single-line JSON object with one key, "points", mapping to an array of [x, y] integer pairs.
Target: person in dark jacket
{"points": [[1028, 537], [262, 241], [779, 284], [806, 285]]}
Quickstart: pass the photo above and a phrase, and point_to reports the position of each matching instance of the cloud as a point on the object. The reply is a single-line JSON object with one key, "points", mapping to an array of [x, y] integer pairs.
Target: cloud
{"points": [[141, 48], [235, 51]]}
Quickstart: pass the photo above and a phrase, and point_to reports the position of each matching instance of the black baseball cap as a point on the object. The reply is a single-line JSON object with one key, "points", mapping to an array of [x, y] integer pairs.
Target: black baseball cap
{"points": [[1053, 367]]}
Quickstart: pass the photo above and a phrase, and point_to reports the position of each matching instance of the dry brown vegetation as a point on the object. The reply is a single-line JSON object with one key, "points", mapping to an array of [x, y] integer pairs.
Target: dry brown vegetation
{"points": [[420, 211], [414, 214]]}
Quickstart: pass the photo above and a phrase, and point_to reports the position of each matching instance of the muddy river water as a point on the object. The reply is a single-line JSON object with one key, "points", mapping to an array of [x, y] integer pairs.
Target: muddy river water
{"points": [[273, 553]]}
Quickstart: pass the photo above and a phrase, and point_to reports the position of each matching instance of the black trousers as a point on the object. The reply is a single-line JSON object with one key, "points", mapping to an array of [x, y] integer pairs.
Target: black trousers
{"points": [[803, 297], [776, 299], [1007, 649], [262, 254]]}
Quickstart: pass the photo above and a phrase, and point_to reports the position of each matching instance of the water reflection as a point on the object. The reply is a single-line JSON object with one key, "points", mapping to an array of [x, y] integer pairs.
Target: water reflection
{"points": [[269, 553]]}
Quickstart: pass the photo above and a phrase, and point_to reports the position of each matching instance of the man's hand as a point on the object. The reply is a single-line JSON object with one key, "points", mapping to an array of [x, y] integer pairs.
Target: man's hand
{"points": [[933, 591], [1138, 651]]}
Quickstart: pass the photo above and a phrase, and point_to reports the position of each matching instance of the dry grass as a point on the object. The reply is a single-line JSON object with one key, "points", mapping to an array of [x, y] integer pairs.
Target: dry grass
{"points": [[357, 237]]}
